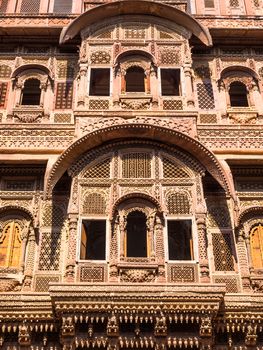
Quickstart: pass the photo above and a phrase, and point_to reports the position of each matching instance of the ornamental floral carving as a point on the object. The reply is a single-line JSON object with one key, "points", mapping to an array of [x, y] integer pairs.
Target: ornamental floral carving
{"points": [[135, 104], [137, 275]]}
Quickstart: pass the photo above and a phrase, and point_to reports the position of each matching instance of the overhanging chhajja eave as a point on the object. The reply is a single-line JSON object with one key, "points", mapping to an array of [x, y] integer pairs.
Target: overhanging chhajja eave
{"points": [[136, 7]]}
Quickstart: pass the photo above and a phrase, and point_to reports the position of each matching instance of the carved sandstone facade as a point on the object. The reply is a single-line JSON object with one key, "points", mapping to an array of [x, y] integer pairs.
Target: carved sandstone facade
{"points": [[131, 174]]}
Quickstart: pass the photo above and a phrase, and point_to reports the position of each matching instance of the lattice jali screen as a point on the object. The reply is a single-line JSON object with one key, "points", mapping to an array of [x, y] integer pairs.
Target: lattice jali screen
{"points": [[136, 165], [100, 170], [64, 95], [178, 203], [65, 70], [208, 118], [5, 70], [3, 91], [99, 104], [92, 274], [100, 57], [3, 6], [205, 96], [53, 216], [170, 57], [170, 105], [62, 6], [222, 249], [218, 216], [181, 273], [49, 256], [231, 283], [172, 170], [63, 118], [94, 203], [42, 282], [30, 6], [234, 3], [135, 33]]}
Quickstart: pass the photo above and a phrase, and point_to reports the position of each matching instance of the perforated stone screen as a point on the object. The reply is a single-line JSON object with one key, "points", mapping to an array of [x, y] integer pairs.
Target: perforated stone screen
{"points": [[136, 165]]}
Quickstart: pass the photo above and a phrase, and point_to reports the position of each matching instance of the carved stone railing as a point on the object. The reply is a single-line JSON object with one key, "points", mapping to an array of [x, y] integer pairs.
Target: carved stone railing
{"points": [[239, 115]]}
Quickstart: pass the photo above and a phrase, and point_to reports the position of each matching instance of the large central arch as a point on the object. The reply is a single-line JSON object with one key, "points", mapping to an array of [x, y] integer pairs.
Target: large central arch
{"points": [[136, 7], [139, 131]]}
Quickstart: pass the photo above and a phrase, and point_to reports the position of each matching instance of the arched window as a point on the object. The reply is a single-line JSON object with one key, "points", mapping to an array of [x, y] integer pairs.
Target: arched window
{"points": [[238, 94], [31, 92], [135, 79], [136, 240], [256, 244], [10, 245]]}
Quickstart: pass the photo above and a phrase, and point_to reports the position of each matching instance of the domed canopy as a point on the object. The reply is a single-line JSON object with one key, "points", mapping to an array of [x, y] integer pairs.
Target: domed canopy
{"points": [[136, 7]]}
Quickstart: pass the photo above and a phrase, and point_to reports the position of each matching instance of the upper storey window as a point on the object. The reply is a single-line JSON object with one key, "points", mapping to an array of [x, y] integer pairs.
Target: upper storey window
{"points": [[135, 80], [136, 235], [170, 82], [31, 92], [256, 244], [93, 240], [180, 240], [11, 245], [238, 94], [99, 82]]}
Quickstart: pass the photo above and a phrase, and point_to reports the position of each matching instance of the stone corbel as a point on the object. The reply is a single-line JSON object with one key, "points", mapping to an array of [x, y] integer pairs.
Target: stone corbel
{"points": [[24, 336], [251, 335], [112, 326]]}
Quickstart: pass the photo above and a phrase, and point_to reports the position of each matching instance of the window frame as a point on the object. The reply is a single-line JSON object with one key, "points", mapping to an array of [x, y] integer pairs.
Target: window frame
{"points": [[107, 227], [181, 89], [89, 81], [193, 245]]}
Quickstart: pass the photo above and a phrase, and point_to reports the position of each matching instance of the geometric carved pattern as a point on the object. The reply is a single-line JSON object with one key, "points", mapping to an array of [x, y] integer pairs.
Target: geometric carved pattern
{"points": [[62, 118], [218, 216], [171, 170], [208, 118], [136, 165], [50, 251], [30, 6], [53, 216], [222, 248], [100, 170], [99, 104], [5, 71], [3, 91], [234, 3], [170, 57], [64, 96], [3, 6], [169, 105], [42, 283], [94, 203], [205, 96], [182, 273], [100, 57], [178, 203], [92, 274], [65, 69], [135, 33], [231, 284]]}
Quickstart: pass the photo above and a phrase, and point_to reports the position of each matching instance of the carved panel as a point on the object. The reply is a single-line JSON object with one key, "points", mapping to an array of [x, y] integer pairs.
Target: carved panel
{"points": [[64, 95], [223, 251], [182, 273], [42, 282], [205, 96], [99, 104], [232, 285], [92, 273], [172, 104]]}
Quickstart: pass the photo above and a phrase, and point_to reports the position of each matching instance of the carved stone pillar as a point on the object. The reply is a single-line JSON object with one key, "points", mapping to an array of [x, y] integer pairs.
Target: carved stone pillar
{"points": [[159, 249], [122, 230], [154, 86], [67, 335], [18, 92], [206, 333], [202, 245], [72, 248], [189, 85], [82, 84], [243, 262]]}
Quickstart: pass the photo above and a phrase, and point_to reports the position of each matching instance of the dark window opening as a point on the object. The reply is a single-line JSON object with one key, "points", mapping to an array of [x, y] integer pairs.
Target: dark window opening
{"points": [[238, 95], [209, 4], [135, 80], [93, 240], [31, 92], [99, 82], [136, 242], [170, 82], [62, 6], [180, 245]]}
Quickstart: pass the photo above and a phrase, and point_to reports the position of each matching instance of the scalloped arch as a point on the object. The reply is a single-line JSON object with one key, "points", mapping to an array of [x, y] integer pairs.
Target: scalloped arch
{"points": [[140, 131]]}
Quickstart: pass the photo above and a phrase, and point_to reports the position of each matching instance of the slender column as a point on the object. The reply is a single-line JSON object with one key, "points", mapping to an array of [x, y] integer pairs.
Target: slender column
{"points": [[82, 84], [202, 245], [72, 248], [189, 85], [249, 7]]}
